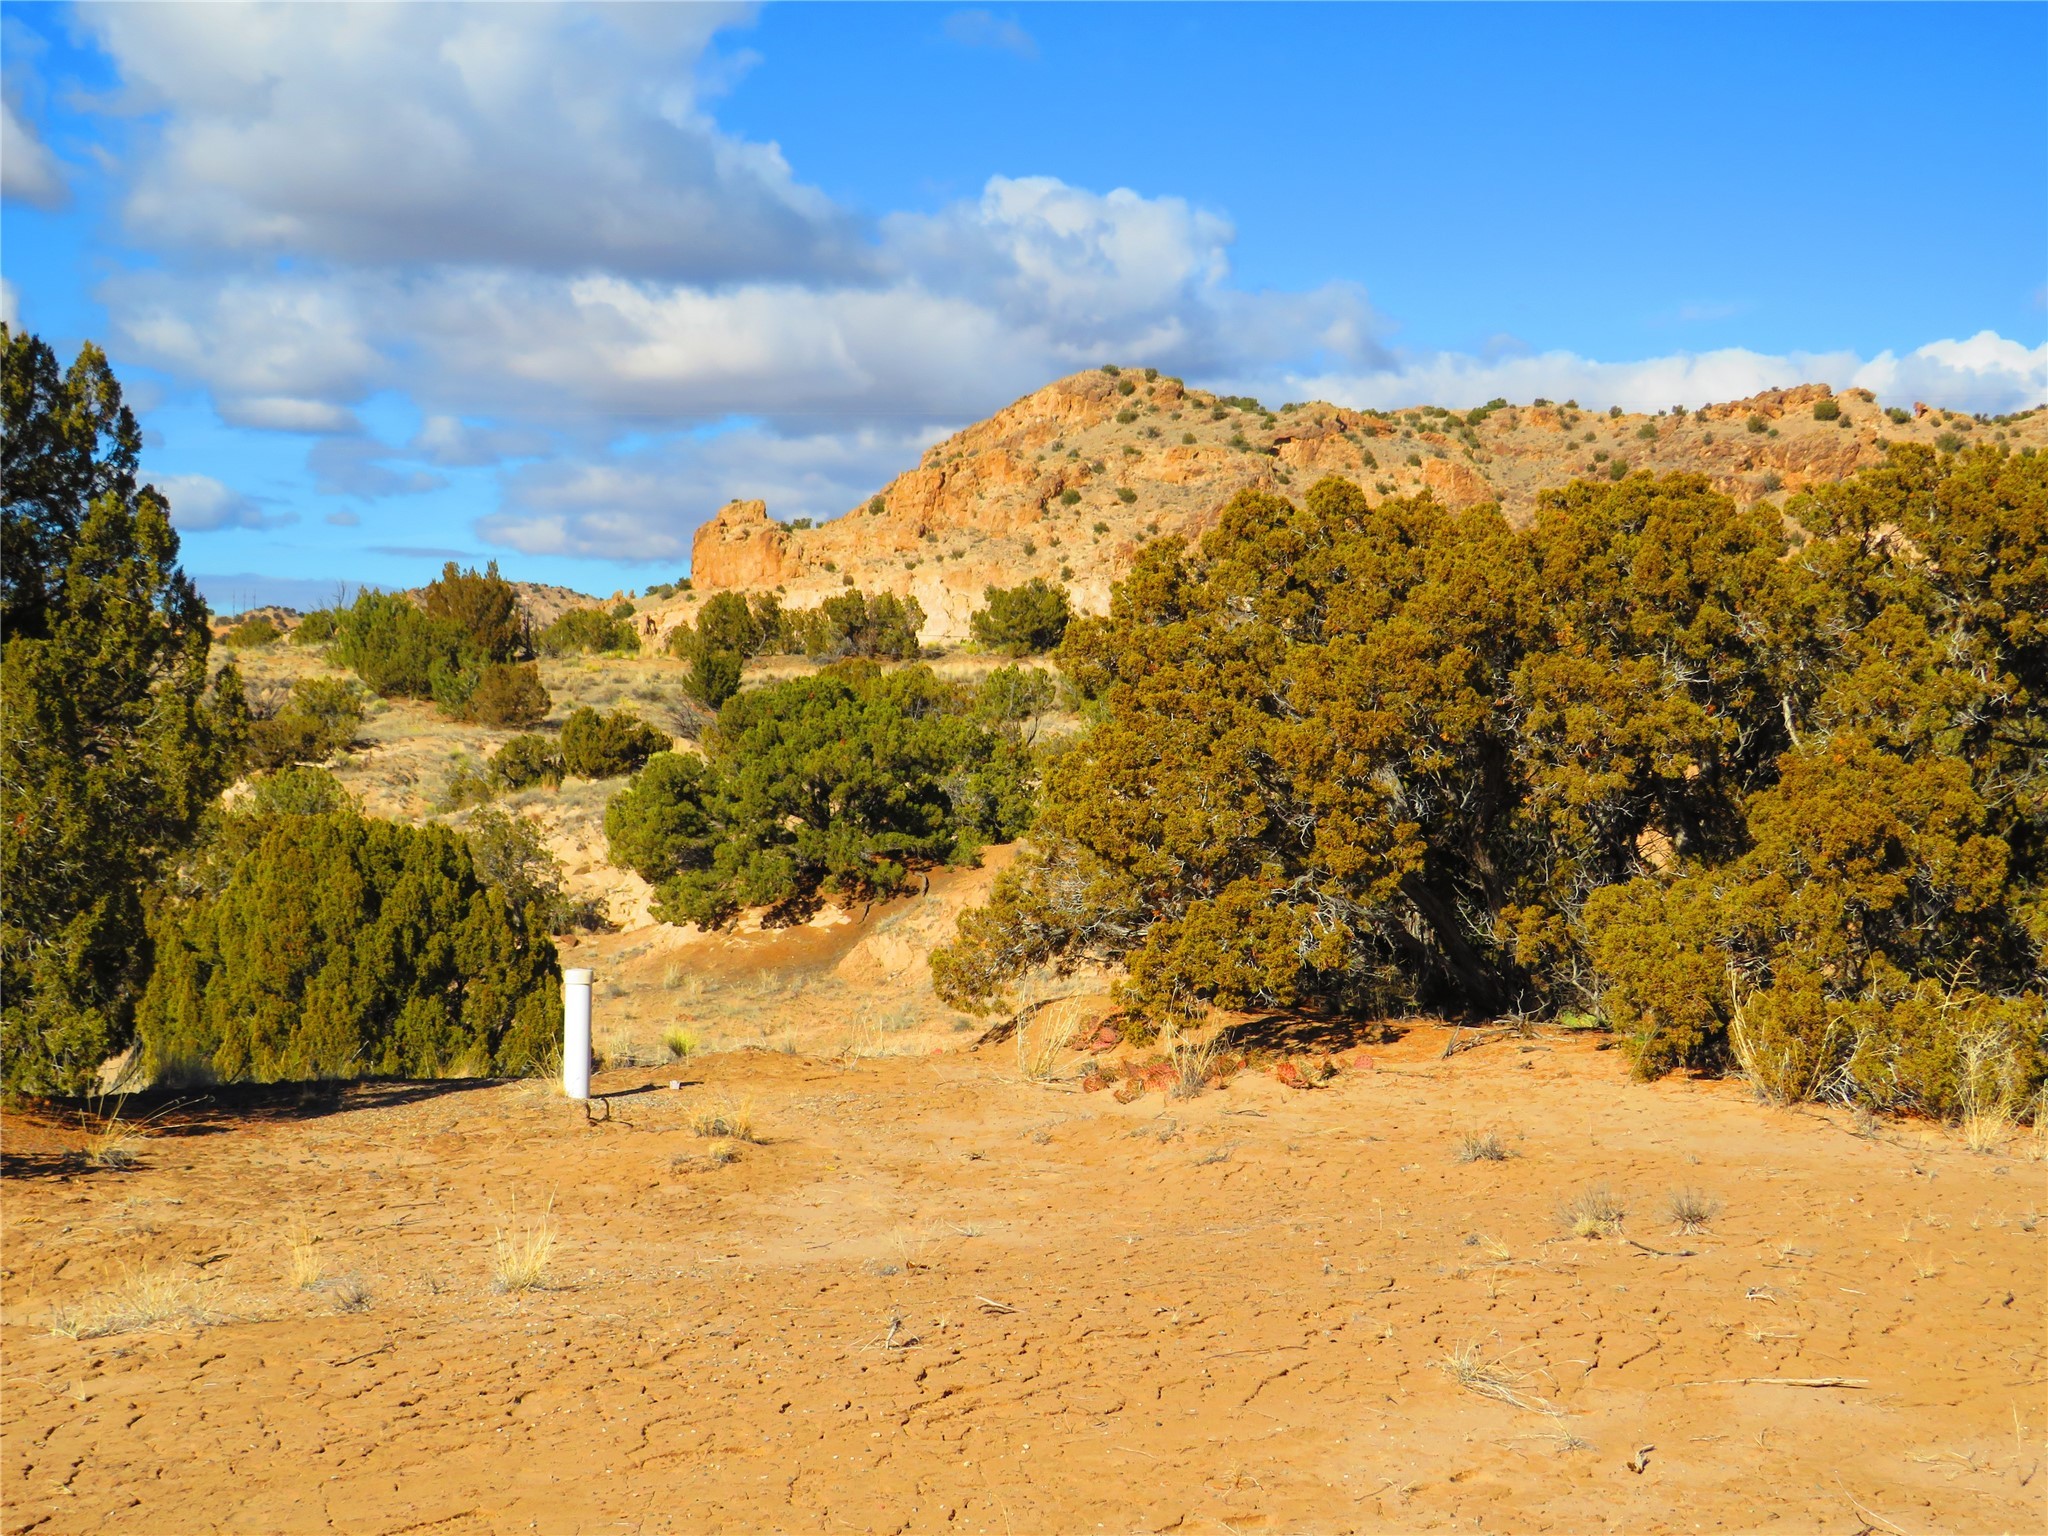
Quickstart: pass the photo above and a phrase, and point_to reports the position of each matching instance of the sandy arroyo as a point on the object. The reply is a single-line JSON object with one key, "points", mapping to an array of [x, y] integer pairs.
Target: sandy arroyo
{"points": [[939, 1296]]}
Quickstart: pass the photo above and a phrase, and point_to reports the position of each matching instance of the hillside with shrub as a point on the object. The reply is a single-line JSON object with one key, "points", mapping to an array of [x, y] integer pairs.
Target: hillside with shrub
{"points": [[1068, 484], [1762, 791], [279, 933]]}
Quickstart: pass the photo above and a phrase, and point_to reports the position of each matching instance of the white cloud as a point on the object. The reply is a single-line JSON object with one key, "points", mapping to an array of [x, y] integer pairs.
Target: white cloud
{"points": [[1984, 373], [279, 353], [201, 504], [523, 221], [553, 137], [646, 505], [983, 301], [355, 466], [29, 173], [980, 29], [455, 443]]}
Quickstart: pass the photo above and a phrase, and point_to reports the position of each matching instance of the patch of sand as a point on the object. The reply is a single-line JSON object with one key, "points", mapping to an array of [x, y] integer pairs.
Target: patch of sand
{"points": [[939, 1297]]}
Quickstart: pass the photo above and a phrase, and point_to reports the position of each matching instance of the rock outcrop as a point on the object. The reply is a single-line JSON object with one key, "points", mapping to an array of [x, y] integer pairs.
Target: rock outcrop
{"points": [[1069, 482], [743, 549]]}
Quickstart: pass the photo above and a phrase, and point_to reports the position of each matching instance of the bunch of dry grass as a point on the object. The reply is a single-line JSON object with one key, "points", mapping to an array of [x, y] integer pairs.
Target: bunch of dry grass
{"points": [[112, 1141], [142, 1299], [519, 1259], [1784, 1073], [112, 1144], [1986, 1078], [1468, 1366], [732, 1119], [349, 1292], [1692, 1211], [863, 1040], [1044, 1038], [680, 1044], [303, 1266], [1481, 1147], [1193, 1059], [1595, 1211]]}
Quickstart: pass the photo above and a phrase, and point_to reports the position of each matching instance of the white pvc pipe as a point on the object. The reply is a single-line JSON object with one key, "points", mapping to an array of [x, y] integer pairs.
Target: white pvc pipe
{"points": [[576, 1034]]}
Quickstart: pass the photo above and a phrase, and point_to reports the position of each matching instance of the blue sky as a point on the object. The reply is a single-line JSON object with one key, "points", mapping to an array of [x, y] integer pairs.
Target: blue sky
{"points": [[548, 284]]}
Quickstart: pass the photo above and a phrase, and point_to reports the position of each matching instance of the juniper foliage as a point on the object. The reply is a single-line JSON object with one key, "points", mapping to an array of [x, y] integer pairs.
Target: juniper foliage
{"points": [[1766, 796], [113, 742]]}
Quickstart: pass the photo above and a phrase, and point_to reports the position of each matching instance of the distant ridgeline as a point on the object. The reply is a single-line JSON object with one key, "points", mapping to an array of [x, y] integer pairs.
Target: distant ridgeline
{"points": [[1069, 483]]}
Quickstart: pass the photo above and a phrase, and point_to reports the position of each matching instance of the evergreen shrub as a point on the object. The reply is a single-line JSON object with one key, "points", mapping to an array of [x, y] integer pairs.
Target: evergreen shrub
{"points": [[838, 784], [335, 945]]}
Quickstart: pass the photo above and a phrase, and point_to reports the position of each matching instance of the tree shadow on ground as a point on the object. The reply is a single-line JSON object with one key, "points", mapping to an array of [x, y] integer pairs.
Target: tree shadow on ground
{"points": [[1303, 1033], [210, 1111]]}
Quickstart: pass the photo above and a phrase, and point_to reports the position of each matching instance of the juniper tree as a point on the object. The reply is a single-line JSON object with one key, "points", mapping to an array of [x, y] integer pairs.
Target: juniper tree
{"points": [[1764, 795], [113, 742], [841, 783]]}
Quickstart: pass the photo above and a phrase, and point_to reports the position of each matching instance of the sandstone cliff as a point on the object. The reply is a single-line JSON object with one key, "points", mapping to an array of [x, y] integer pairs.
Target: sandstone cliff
{"points": [[1068, 482]]}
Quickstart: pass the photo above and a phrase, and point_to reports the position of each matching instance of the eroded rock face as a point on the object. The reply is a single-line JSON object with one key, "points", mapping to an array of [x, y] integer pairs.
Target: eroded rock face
{"points": [[742, 548], [1070, 482]]}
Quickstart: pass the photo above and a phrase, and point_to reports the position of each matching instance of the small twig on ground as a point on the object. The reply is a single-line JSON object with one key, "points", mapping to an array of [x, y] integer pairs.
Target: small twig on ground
{"points": [[995, 1306], [1675, 1253], [1782, 1381], [1871, 1518]]}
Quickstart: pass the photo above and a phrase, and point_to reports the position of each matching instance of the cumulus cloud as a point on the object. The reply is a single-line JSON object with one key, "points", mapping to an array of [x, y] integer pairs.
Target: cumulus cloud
{"points": [[29, 173], [1984, 373], [552, 137], [458, 444], [981, 29], [355, 466], [645, 505], [523, 221], [278, 353], [201, 504], [978, 303]]}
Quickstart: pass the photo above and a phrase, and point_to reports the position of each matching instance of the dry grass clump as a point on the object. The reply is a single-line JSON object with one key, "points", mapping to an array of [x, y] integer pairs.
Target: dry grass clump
{"points": [[303, 1267], [1595, 1211], [519, 1259], [1987, 1075], [113, 1144], [1988, 1128], [1692, 1211], [1468, 1366], [680, 1044], [349, 1292], [1043, 1040], [1193, 1060], [863, 1040], [720, 1154], [110, 1141], [1481, 1147], [143, 1299], [730, 1119]]}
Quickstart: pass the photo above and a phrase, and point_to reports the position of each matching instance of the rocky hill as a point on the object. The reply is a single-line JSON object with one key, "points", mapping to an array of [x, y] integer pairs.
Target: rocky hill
{"points": [[1068, 482]]}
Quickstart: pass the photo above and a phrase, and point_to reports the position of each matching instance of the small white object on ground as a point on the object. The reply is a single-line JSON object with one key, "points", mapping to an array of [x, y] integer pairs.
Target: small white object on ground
{"points": [[576, 1033]]}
